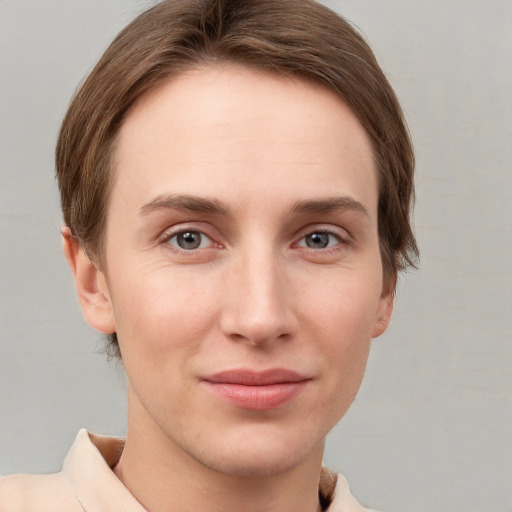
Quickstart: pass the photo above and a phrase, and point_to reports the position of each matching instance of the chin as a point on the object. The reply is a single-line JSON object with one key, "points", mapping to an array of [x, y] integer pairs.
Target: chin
{"points": [[258, 454], [249, 465]]}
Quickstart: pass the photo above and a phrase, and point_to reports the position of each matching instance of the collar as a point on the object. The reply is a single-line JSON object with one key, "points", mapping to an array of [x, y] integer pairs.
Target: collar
{"points": [[88, 470]]}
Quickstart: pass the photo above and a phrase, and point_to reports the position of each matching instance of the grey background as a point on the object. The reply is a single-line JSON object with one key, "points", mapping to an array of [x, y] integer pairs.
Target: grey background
{"points": [[431, 428]]}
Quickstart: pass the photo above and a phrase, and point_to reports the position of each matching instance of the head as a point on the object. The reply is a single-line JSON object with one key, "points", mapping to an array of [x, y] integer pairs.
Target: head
{"points": [[179, 58]]}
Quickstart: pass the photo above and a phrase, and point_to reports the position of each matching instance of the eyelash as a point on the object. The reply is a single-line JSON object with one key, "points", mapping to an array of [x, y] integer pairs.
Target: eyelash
{"points": [[320, 235], [341, 241], [169, 236]]}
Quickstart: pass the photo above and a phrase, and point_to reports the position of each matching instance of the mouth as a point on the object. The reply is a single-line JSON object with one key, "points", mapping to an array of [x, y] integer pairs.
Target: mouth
{"points": [[264, 390]]}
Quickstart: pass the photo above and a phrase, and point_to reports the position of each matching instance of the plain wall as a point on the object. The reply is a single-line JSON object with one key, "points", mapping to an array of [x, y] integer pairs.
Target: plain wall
{"points": [[431, 428]]}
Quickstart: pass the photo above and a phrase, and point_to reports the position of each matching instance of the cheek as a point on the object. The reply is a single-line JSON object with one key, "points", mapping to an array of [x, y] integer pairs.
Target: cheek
{"points": [[345, 349], [340, 321], [346, 340], [161, 324], [160, 311], [344, 305]]}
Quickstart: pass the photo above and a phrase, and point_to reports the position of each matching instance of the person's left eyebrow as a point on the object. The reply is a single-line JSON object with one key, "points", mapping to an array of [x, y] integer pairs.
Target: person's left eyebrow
{"points": [[330, 204], [185, 203]]}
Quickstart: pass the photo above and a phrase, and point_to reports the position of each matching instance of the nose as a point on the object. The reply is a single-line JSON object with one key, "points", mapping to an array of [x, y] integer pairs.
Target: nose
{"points": [[258, 307]]}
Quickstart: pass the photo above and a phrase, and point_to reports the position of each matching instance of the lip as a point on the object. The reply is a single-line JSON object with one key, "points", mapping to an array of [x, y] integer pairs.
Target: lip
{"points": [[257, 390]]}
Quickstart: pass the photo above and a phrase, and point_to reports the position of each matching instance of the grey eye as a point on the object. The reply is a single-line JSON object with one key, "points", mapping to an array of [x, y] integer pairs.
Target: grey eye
{"points": [[319, 240], [190, 240]]}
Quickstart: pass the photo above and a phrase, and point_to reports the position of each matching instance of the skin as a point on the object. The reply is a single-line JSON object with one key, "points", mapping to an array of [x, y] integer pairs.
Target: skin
{"points": [[264, 170]]}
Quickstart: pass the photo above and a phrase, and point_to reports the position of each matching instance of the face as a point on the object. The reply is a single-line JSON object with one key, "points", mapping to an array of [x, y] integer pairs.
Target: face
{"points": [[243, 274]]}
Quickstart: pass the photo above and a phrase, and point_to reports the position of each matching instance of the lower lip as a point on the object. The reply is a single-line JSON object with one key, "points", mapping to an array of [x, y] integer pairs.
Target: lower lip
{"points": [[258, 398]]}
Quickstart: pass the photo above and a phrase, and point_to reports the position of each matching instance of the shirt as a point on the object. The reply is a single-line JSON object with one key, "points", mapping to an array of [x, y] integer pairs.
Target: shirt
{"points": [[88, 484]]}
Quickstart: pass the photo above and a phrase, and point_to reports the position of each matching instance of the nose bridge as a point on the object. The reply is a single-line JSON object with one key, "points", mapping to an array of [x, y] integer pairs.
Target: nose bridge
{"points": [[258, 307]]}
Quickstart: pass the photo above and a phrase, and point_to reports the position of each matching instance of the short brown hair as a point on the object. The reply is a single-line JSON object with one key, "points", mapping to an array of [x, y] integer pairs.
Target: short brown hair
{"points": [[292, 37]]}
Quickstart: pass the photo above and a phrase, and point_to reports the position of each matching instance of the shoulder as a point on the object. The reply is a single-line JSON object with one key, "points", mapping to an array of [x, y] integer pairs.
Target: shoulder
{"points": [[37, 493]]}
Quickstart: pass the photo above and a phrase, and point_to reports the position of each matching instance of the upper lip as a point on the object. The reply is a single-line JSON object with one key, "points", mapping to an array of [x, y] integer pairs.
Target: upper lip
{"points": [[248, 377]]}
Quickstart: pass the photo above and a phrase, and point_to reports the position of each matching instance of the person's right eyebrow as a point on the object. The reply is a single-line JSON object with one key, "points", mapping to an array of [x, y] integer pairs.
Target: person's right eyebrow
{"points": [[185, 202]]}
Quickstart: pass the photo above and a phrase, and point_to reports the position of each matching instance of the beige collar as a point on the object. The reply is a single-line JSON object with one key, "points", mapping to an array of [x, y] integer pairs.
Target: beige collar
{"points": [[88, 470]]}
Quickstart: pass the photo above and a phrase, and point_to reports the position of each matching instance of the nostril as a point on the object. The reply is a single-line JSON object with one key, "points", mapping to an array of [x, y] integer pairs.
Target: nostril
{"points": [[259, 337]]}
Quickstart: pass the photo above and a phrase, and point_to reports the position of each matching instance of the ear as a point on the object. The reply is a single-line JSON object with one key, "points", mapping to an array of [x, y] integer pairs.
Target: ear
{"points": [[384, 311], [91, 285]]}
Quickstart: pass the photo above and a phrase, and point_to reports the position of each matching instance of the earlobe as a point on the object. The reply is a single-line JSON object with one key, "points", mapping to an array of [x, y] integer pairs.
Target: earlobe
{"points": [[385, 309], [91, 285]]}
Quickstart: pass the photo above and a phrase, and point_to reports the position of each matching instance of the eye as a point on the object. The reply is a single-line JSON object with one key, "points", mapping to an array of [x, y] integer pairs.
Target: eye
{"points": [[319, 240], [190, 240]]}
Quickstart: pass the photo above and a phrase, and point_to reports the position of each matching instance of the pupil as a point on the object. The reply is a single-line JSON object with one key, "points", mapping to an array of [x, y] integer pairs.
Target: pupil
{"points": [[317, 240], [189, 240]]}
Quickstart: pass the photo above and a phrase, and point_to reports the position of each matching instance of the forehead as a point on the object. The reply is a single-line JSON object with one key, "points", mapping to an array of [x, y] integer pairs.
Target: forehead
{"points": [[229, 130]]}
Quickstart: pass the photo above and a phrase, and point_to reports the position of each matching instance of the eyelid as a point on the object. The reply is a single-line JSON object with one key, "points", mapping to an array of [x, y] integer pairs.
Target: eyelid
{"points": [[204, 243], [342, 234], [177, 229], [303, 243]]}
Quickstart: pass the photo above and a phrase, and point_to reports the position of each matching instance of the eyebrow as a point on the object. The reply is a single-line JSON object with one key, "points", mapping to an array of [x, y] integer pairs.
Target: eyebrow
{"points": [[330, 204], [216, 207], [185, 202]]}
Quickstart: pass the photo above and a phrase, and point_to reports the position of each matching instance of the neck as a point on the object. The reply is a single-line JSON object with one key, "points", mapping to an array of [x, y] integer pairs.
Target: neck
{"points": [[163, 477]]}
